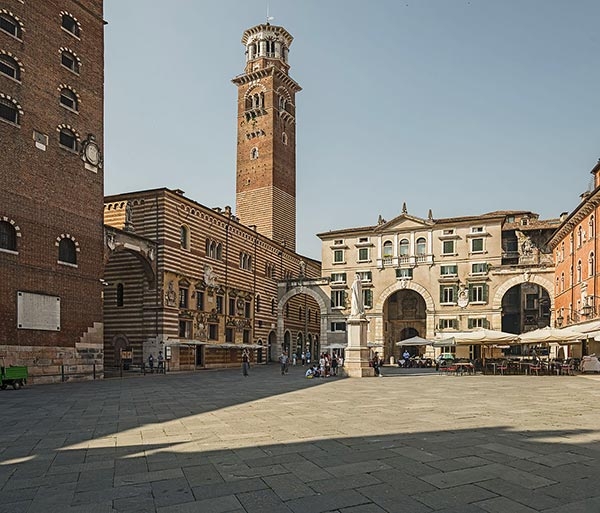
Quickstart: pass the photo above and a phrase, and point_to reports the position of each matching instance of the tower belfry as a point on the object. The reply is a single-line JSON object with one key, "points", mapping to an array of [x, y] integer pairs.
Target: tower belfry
{"points": [[266, 142]]}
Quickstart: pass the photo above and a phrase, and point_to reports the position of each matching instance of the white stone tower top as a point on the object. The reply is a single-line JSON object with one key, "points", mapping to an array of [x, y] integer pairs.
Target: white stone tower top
{"points": [[265, 44]]}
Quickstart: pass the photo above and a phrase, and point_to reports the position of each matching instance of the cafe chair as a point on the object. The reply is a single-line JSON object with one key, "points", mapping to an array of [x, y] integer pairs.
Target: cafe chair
{"points": [[502, 367]]}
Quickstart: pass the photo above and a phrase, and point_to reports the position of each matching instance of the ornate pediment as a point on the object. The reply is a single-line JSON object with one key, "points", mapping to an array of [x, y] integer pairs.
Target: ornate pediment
{"points": [[404, 222]]}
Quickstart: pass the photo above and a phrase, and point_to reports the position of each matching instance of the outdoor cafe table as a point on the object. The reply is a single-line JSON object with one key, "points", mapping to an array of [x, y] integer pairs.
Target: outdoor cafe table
{"points": [[464, 367]]}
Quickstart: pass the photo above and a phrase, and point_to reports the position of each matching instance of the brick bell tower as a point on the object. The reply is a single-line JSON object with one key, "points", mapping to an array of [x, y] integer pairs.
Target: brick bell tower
{"points": [[266, 142]]}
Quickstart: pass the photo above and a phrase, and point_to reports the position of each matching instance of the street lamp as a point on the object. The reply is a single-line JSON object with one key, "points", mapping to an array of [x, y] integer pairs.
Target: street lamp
{"points": [[571, 318], [589, 307]]}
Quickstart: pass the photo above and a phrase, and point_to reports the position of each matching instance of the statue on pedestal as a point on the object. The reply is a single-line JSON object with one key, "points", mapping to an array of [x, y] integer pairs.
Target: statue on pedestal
{"points": [[357, 307]]}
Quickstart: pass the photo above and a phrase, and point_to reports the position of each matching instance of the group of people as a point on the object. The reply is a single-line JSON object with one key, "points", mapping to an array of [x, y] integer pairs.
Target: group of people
{"points": [[328, 366], [161, 363]]}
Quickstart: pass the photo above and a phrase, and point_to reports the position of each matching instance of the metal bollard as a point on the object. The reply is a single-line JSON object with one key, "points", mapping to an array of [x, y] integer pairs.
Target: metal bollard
{"points": [[62, 373]]}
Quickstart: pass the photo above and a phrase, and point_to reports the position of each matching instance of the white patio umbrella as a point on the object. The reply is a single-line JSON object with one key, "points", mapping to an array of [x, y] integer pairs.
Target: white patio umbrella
{"points": [[483, 336], [549, 334], [415, 341]]}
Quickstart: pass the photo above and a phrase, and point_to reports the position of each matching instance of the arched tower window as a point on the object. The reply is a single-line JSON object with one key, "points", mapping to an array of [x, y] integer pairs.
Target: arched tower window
{"points": [[9, 110], [70, 61], [591, 265], [184, 237], [8, 236], [592, 226], [579, 236], [284, 138], [10, 24], [10, 67], [254, 153], [273, 305], [67, 139], [579, 271], [68, 98], [70, 24], [67, 251]]}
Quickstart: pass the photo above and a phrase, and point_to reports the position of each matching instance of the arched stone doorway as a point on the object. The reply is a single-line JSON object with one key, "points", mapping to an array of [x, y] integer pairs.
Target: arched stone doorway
{"points": [[525, 307], [287, 341], [404, 316], [273, 347]]}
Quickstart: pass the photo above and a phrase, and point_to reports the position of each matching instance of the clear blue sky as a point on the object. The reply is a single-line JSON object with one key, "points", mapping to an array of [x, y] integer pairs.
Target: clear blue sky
{"points": [[463, 107]]}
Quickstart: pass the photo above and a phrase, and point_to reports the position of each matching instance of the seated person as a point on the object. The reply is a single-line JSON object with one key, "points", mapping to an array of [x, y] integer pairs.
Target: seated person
{"points": [[316, 371], [309, 373]]}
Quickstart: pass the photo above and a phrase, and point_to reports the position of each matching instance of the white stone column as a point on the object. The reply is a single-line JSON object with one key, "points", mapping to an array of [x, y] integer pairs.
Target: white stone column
{"points": [[356, 362]]}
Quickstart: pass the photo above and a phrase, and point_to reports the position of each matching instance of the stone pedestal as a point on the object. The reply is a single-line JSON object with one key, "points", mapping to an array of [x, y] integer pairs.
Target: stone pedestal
{"points": [[356, 361]]}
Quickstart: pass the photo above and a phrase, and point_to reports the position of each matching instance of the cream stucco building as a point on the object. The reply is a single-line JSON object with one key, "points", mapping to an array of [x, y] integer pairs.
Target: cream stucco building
{"points": [[433, 277]]}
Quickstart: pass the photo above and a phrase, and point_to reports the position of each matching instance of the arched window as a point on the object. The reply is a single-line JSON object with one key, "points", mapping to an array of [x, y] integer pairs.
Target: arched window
{"points": [[9, 110], [592, 226], [579, 271], [10, 25], [287, 310], [591, 265], [184, 237], [273, 305], [70, 61], [67, 251], [257, 304], [281, 103], [579, 236], [299, 313], [67, 139], [562, 282], [8, 236], [9, 67], [421, 246], [69, 99], [70, 25], [404, 247], [388, 249], [120, 294], [254, 153], [284, 138], [219, 251]]}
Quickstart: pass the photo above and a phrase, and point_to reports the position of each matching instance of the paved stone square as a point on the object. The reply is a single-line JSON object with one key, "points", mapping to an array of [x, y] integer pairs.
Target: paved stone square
{"points": [[216, 442]]}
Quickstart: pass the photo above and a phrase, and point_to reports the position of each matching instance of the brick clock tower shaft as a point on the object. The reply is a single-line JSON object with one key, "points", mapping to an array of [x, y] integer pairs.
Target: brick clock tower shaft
{"points": [[266, 142]]}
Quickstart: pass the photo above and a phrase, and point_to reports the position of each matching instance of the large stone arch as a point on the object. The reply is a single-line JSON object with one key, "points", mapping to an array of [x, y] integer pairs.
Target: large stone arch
{"points": [[311, 288], [519, 280], [377, 313]]}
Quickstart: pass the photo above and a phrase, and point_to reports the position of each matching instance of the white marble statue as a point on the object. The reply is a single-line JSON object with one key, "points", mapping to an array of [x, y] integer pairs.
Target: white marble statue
{"points": [[357, 308]]}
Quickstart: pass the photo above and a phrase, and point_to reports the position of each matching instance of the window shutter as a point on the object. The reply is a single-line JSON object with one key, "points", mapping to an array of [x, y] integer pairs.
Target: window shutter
{"points": [[344, 276], [441, 293], [485, 292], [454, 293], [454, 324], [470, 324], [470, 292], [486, 324]]}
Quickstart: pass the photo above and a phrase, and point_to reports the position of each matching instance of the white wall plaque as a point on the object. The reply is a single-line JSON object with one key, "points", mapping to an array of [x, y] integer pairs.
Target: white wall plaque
{"points": [[38, 312]]}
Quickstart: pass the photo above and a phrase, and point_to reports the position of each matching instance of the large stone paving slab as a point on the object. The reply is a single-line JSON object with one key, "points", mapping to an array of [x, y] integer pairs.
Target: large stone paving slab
{"points": [[213, 442]]}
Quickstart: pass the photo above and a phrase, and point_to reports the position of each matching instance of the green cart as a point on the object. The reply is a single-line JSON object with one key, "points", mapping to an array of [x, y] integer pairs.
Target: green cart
{"points": [[14, 375]]}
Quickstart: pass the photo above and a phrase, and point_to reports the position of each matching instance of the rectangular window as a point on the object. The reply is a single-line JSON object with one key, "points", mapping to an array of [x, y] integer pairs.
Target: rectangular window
{"points": [[479, 268], [246, 337], [338, 326], [477, 229], [363, 240], [447, 324], [338, 242], [477, 293], [477, 245], [447, 294], [404, 274], [338, 256], [199, 300], [213, 332], [231, 306], [448, 247], [338, 299], [185, 329], [229, 335], [183, 297], [531, 301], [368, 298], [219, 304], [338, 277], [365, 276], [247, 309], [477, 323], [449, 270], [363, 254]]}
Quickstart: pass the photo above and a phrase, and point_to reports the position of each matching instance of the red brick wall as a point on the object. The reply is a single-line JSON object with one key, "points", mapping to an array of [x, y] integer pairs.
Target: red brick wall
{"points": [[50, 193]]}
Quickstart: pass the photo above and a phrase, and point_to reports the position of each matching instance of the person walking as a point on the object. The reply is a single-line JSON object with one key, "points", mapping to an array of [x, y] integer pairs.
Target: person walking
{"points": [[151, 363], [283, 360], [245, 362], [161, 363]]}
